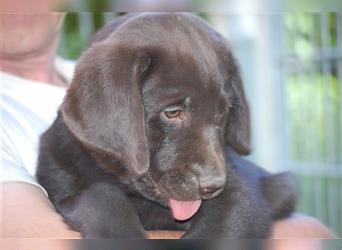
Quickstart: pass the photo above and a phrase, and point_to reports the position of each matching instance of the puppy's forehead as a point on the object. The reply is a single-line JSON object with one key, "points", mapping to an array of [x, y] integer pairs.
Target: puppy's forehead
{"points": [[183, 38], [185, 54], [182, 76]]}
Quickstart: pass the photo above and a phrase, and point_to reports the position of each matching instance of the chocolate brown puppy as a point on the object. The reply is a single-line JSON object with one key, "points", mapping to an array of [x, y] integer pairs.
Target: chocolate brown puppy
{"points": [[150, 136]]}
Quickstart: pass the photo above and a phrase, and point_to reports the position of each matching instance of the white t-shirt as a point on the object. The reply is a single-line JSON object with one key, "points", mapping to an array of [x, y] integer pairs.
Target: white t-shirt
{"points": [[28, 109]]}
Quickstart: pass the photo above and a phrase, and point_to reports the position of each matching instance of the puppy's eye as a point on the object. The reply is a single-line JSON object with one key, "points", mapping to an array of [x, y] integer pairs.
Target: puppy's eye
{"points": [[173, 112]]}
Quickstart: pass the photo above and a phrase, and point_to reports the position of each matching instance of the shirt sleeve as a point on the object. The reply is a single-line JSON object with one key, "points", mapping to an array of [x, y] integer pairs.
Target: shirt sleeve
{"points": [[28, 108], [13, 166]]}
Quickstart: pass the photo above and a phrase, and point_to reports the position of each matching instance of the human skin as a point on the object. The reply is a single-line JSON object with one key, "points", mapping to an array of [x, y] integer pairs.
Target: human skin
{"points": [[29, 41], [26, 211], [29, 52]]}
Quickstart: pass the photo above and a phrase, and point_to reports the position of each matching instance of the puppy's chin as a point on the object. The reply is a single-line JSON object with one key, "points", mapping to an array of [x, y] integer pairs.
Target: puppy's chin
{"points": [[160, 192], [147, 187], [181, 186]]}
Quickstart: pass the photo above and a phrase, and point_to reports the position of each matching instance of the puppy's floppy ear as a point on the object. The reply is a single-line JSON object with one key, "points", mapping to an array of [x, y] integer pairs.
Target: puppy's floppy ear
{"points": [[238, 130], [103, 106]]}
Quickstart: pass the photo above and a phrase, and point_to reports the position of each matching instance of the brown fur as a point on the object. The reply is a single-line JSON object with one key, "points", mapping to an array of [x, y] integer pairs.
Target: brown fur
{"points": [[111, 162]]}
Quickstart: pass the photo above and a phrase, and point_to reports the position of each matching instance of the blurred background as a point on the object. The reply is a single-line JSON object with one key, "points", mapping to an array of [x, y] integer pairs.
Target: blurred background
{"points": [[292, 66]]}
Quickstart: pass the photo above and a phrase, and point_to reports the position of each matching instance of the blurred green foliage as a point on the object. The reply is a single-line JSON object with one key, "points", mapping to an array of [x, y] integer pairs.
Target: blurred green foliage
{"points": [[70, 45], [72, 41], [323, 201], [304, 33], [314, 116], [308, 96]]}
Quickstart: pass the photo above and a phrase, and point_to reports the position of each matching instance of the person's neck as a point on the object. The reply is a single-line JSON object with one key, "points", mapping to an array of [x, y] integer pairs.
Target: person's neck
{"points": [[38, 67]]}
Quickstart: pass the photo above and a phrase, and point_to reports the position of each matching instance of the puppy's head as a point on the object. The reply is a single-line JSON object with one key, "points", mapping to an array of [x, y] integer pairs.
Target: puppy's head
{"points": [[162, 95]]}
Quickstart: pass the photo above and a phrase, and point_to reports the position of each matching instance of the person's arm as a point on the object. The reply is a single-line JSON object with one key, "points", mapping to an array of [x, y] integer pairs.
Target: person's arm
{"points": [[27, 213], [301, 226]]}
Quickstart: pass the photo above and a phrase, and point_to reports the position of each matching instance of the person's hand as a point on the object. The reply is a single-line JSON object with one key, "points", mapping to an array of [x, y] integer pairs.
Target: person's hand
{"points": [[27, 213]]}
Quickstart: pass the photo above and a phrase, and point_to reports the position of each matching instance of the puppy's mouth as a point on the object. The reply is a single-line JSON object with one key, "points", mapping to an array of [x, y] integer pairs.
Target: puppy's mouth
{"points": [[184, 202], [184, 210]]}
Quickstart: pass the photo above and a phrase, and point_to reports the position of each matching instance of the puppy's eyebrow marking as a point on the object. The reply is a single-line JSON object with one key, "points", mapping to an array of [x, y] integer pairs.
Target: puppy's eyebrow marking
{"points": [[179, 101]]}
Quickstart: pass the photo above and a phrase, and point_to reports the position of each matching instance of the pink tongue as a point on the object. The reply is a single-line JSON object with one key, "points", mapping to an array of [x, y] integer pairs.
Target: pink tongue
{"points": [[183, 210]]}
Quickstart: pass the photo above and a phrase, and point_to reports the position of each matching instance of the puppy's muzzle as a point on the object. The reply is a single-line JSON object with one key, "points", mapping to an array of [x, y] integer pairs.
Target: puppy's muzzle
{"points": [[189, 186]]}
